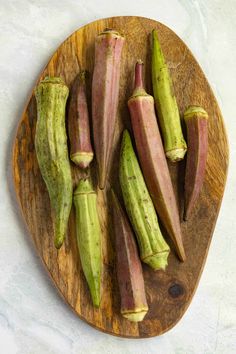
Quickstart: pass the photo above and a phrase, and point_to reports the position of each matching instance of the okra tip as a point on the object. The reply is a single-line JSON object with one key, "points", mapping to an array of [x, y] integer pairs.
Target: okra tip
{"points": [[114, 197], [82, 75], [58, 243], [186, 214], [60, 229], [102, 180], [126, 140], [96, 297], [59, 235], [154, 36], [181, 254]]}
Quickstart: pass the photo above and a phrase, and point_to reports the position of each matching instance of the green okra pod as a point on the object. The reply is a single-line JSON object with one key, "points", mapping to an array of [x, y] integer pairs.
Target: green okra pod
{"points": [[153, 248], [51, 150], [89, 237], [166, 105]]}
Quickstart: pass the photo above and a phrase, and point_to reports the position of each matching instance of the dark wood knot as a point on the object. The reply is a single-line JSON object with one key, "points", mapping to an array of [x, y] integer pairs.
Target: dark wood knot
{"points": [[176, 290]]}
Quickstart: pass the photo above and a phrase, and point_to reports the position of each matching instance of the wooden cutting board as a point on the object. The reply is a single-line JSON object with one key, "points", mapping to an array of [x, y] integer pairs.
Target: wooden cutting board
{"points": [[168, 293]]}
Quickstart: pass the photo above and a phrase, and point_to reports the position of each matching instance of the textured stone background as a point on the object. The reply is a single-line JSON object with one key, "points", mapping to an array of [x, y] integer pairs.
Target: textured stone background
{"points": [[33, 318]]}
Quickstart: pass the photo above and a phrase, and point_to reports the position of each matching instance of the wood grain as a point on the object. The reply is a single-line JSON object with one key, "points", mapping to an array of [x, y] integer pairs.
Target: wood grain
{"points": [[168, 293]]}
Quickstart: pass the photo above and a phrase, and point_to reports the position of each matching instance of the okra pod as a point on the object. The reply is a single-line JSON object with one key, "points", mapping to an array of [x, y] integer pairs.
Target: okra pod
{"points": [[166, 105], [129, 269], [196, 119], [105, 94], [152, 159], [81, 152], [51, 150], [153, 248], [89, 237]]}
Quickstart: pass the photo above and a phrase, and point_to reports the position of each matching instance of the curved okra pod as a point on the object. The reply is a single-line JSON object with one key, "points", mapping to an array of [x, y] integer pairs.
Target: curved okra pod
{"points": [[51, 150]]}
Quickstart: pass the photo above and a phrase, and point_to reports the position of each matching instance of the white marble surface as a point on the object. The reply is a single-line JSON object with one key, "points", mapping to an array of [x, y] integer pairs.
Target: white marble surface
{"points": [[33, 318]]}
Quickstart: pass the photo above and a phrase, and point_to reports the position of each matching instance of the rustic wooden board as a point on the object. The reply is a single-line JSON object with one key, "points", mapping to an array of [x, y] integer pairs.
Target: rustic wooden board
{"points": [[169, 293]]}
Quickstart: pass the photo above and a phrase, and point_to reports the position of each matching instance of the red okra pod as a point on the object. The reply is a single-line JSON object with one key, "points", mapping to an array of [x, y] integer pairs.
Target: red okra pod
{"points": [[153, 161], [81, 152], [196, 119], [105, 94], [128, 265]]}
